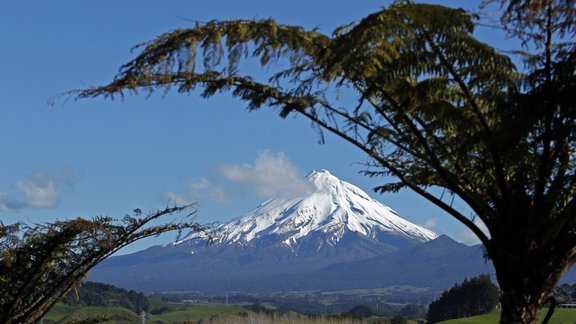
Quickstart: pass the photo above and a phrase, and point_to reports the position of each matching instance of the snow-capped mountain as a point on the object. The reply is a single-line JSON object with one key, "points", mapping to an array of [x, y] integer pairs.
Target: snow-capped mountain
{"points": [[284, 244], [333, 211]]}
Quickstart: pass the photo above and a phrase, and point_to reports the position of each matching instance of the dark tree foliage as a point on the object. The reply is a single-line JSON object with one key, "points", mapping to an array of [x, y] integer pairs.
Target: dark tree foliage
{"points": [[260, 309], [414, 311], [445, 114], [102, 295], [363, 311], [472, 297], [398, 319], [40, 264], [566, 293]]}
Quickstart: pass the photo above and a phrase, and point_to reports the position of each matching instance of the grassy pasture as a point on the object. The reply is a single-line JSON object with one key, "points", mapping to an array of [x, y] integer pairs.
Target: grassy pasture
{"points": [[210, 313], [561, 316]]}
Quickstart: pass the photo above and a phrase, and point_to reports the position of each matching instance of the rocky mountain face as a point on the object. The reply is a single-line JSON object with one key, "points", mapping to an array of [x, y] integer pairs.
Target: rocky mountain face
{"points": [[335, 237]]}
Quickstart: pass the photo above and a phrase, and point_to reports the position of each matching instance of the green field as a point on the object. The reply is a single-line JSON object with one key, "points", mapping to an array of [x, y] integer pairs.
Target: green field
{"points": [[561, 316], [387, 291], [215, 313], [221, 313], [65, 314], [391, 298], [198, 312]]}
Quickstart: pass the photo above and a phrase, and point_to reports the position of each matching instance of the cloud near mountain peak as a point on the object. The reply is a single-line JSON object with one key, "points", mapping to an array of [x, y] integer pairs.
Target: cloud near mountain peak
{"points": [[271, 175]]}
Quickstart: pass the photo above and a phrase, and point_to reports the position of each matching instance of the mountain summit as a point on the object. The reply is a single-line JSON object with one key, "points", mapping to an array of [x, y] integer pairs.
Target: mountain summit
{"points": [[332, 213]]}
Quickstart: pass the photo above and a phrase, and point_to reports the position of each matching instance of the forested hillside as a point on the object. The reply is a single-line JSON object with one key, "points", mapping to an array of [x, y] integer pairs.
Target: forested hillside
{"points": [[99, 294]]}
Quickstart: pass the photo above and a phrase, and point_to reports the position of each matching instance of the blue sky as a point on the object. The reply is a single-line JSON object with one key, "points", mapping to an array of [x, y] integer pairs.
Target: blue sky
{"points": [[100, 157]]}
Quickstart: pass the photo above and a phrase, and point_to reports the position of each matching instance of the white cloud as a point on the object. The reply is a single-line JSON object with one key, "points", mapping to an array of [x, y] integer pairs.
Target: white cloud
{"points": [[39, 190], [430, 223], [199, 190], [271, 175], [204, 189], [176, 199], [468, 237], [9, 203]]}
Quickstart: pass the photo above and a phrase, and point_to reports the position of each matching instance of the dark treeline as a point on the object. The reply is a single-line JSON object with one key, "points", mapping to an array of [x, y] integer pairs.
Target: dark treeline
{"points": [[472, 297], [566, 293]]}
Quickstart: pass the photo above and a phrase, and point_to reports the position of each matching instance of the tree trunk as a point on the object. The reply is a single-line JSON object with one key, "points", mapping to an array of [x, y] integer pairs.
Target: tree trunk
{"points": [[516, 309], [526, 282]]}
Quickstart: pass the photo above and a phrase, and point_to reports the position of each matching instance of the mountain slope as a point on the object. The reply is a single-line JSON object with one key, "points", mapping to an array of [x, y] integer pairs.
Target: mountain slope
{"points": [[436, 264]]}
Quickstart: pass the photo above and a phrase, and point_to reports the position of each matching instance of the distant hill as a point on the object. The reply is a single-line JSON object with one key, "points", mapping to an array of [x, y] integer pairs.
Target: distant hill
{"points": [[103, 295], [436, 264]]}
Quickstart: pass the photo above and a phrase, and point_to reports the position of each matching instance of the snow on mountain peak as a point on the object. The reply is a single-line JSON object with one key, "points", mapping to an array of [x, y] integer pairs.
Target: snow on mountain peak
{"points": [[335, 208]]}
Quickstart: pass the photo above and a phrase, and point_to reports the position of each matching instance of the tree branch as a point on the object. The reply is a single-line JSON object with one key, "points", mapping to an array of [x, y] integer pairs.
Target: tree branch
{"points": [[468, 223], [498, 166]]}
